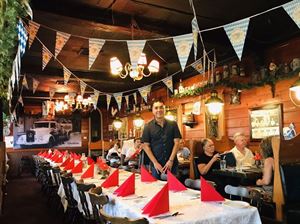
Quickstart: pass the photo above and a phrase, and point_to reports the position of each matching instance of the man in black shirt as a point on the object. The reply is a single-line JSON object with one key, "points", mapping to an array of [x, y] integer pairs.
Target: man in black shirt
{"points": [[161, 141]]}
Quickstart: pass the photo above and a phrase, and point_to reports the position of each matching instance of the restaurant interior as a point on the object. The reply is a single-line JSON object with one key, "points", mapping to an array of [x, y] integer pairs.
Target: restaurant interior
{"points": [[82, 80]]}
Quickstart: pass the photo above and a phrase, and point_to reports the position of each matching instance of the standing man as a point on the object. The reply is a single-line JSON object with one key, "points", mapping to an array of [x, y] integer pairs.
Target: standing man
{"points": [[161, 141]]}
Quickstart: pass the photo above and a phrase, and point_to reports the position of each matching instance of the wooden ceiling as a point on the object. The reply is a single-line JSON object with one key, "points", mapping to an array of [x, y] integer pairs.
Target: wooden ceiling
{"points": [[137, 19]]}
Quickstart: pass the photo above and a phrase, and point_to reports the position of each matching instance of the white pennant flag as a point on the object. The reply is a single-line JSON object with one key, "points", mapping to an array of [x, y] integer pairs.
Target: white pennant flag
{"points": [[96, 97], [82, 87], [195, 29], [183, 46], [47, 55], [135, 98], [237, 32], [144, 91], [24, 82], [118, 97], [32, 30], [20, 100], [169, 83], [135, 48], [67, 75], [293, 9], [127, 100], [51, 93], [61, 40], [108, 99], [95, 46], [35, 84]]}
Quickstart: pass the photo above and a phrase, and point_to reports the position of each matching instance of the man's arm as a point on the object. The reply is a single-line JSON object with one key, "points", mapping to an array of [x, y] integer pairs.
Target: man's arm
{"points": [[169, 163], [149, 153]]}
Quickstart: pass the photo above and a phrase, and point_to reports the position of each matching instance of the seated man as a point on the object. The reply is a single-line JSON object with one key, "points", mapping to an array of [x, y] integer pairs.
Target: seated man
{"points": [[243, 155], [114, 150], [129, 153]]}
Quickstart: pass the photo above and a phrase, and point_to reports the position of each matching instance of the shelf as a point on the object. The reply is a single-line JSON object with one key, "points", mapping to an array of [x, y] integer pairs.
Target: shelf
{"points": [[190, 124]]}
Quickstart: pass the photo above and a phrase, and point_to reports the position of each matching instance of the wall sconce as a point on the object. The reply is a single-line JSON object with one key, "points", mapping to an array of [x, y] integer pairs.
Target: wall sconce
{"points": [[170, 115], [214, 106], [294, 93], [117, 124], [138, 121]]}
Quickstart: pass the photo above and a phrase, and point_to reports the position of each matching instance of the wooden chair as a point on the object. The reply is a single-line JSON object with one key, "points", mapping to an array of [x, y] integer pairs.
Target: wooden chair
{"points": [[84, 207], [286, 192]]}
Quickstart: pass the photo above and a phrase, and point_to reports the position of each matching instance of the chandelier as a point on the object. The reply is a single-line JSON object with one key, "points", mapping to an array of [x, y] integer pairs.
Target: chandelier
{"points": [[137, 72], [72, 101]]}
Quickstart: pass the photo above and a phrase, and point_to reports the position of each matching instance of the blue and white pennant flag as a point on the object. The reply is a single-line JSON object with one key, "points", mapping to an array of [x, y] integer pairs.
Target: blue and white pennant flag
{"points": [[135, 48], [236, 33], [195, 29], [293, 9], [183, 44], [22, 36], [118, 97]]}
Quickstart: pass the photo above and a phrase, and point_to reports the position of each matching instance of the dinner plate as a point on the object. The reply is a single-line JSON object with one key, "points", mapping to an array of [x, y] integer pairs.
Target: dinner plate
{"points": [[236, 204]]}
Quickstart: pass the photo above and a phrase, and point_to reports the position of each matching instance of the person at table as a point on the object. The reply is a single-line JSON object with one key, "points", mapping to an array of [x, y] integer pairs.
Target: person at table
{"points": [[161, 141], [243, 155], [129, 153], [266, 181], [115, 150], [183, 151], [208, 160]]}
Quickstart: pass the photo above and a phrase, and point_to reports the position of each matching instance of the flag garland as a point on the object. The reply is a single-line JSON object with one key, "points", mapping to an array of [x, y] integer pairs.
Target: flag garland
{"points": [[135, 48], [61, 40], [32, 30], [293, 9], [95, 46], [183, 46]]}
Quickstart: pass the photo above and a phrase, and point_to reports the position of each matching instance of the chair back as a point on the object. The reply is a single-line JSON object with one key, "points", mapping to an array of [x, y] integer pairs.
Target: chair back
{"points": [[242, 192], [98, 201], [84, 206], [67, 184], [121, 220]]}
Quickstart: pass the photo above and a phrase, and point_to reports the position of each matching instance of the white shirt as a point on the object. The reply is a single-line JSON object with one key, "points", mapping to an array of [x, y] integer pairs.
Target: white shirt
{"points": [[114, 149], [128, 152], [243, 160]]}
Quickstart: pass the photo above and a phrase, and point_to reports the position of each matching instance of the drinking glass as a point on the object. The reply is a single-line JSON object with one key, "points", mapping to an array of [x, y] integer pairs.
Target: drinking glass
{"points": [[223, 164]]}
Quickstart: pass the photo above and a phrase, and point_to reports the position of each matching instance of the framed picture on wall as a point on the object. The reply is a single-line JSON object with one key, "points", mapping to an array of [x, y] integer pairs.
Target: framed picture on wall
{"points": [[265, 121]]}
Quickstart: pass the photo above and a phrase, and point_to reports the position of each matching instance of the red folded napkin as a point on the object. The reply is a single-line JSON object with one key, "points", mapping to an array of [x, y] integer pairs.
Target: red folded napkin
{"points": [[89, 173], [65, 162], [174, 183], [90, 160], [159, 203], [40, 153], [78, 168], [127, 188], [146, 176], [103, 166], [60, 159], [112, 180], [208, 193], [70, 165]]}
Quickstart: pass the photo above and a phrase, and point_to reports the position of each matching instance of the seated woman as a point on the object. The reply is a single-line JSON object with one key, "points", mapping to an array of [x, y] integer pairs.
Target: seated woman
{"points": [[267, 179]]}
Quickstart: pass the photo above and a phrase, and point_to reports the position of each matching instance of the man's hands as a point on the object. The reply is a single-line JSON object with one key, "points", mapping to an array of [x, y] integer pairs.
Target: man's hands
{"points": [[168, 166]]}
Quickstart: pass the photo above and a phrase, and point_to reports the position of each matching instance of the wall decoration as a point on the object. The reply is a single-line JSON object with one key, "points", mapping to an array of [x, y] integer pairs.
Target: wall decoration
{"points": [[265, 121], [235, 96], [38, 132]]}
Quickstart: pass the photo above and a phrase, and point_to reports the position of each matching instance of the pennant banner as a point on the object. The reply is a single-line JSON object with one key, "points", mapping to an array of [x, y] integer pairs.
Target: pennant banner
{"points": [[108, 99], [169, 83], [20, 100], [144, 91], [135, 98], [67, 75], [198, 66], [35, 84], [196, 30], [96, 97], [183, 46], [236, 33], [118, 97], [82, 87], [46, 57], [61, 40], [135, 48], [293, 9], [127, 100], [95, 46], [24, 82], [32, 30], [22, 36], [51, 93]]}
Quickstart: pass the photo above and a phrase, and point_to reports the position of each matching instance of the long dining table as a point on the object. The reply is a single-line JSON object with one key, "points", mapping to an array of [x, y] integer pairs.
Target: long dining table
{"points": [[187, 204]]}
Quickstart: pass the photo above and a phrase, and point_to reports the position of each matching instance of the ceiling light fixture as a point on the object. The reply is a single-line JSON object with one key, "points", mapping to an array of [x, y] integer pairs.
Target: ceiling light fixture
{"points": [[136, 73], [138, 121]]}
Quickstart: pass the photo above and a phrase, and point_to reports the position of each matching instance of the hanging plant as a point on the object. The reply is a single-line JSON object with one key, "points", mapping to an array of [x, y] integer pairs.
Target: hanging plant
{"points": [[10, 11]]}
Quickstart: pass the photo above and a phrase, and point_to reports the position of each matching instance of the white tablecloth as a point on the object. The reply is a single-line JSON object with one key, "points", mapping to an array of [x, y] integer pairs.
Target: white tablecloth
{"points": [[192, 210]]}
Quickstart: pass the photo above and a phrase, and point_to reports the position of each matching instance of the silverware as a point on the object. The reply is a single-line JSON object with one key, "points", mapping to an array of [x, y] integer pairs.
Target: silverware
{"points": [[168, 216], [133, 198]]}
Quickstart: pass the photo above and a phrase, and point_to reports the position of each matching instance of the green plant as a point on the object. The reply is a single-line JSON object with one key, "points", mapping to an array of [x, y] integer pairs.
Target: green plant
{"points": [[10, 12]]}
